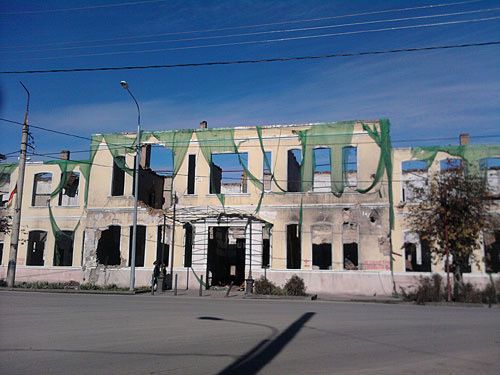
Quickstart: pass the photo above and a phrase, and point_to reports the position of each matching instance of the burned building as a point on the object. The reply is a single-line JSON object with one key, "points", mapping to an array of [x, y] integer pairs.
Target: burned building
{"points": [[324, 201]]}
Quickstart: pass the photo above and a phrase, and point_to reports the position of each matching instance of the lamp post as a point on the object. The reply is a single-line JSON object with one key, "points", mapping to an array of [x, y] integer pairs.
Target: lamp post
{"points": [[136, 188]]}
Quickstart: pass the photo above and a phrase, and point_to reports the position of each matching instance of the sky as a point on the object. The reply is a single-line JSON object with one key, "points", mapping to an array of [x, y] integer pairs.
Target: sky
{"points": [[430, 96]]}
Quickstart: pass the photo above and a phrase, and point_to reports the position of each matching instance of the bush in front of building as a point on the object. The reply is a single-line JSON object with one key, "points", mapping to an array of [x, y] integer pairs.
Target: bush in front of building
{"points": [[295, 286], [265, 286], [432, 289]]}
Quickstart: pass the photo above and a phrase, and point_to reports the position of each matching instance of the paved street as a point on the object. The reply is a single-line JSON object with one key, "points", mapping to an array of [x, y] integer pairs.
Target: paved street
{"points": [[45, 333]]}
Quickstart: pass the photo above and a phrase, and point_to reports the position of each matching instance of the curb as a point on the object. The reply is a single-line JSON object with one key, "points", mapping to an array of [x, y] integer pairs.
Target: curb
{"points": [[74, 291]]}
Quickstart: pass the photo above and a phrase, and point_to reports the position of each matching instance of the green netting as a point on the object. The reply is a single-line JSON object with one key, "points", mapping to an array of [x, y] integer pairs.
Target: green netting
{"points": [[119, 145], [67, 167], [472, 155], [268, 165], [218, 141], [178, 142], [333, 135], [6, 170], [58, 235]]}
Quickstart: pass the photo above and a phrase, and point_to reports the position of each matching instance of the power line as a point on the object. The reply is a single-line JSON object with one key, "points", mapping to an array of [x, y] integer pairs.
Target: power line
{"points": [[257, 41], [416, 49], [256, 33], [83, 8], [293, 137], [251, 26]]}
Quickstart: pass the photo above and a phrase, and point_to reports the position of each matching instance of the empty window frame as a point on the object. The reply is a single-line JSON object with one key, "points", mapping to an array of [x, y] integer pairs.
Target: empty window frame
{"points": [[322, 170], [4, 189], [188, 245], [491, 168], [492, 251], [108, 247], [2, 242], [42, 188], [140, 245], [322, 247], [417, 253], [414, 178], [266, 247], [36, 248], [68, 196], [450, 164], [118, 177], [191, 177], [294, 163], [293, 247], [350, 166], [63, 249], [267, 173], [227, 175], [162, 247], [350, 246]]}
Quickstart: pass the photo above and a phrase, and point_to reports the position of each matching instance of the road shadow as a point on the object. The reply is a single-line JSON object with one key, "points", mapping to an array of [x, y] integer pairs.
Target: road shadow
{"points": [[265, 351]]}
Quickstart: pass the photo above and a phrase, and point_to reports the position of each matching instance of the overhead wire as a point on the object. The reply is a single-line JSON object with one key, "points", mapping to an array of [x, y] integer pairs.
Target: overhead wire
{"points": [[256, 41], [83, 8], [255, 33], [255, 25], [281, 59]]}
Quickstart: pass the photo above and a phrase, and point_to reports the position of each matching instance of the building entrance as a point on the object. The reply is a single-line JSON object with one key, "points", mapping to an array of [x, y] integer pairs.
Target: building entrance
{"points": [[226, 256]]}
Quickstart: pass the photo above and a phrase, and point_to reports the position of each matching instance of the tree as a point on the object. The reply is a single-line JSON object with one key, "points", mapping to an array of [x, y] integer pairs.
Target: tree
{"points": [[455, 201], [4, 222]]}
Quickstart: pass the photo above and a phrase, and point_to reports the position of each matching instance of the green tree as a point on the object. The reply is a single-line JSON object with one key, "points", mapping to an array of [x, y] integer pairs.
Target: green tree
{"points": [[456, 200]]}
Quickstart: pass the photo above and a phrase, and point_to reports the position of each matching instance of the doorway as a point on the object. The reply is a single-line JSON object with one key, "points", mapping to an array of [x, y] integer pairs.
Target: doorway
{"points": [[225, 259]]}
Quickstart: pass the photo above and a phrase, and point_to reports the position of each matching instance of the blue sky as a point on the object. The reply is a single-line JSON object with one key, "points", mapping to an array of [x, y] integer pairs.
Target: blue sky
{"points": [[432, 94]]}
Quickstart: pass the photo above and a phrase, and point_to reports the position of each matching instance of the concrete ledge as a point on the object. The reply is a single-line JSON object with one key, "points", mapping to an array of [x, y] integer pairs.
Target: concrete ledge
{"points": [[70, 290]]}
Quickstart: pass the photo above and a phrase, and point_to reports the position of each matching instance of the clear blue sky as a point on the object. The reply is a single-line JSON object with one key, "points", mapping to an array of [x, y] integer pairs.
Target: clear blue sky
{"points": [[430, 94]]}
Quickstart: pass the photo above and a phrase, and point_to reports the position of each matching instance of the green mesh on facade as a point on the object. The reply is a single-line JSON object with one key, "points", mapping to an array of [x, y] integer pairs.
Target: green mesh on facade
{"points": [[472, 155], [221, 140], [268, 164], [120, 145], [178, 142], [333, 135], [67, 167], [6, 170]]}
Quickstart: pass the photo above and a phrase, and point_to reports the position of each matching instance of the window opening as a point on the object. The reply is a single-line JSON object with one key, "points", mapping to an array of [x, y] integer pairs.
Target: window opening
{"points": [[4, 189], [350, 246], [42, 188], [2, 241], [140, 245], [417, 253], [350, 161], [322, 170], [108, 247], [68, 196], [266, 247], [188, 245], [492, 251], [267, 173], [293, 246], [294, 166], [191, 174], [450, 164], [491, 167], [228, 175], [36, 248], [63, 249], [321, 247], [414, 178], [155, 178], [118, 179], [162, 248]]}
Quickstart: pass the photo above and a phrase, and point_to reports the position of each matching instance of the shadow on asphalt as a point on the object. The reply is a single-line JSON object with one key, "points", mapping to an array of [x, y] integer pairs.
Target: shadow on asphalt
{"points": [[261, 354]]}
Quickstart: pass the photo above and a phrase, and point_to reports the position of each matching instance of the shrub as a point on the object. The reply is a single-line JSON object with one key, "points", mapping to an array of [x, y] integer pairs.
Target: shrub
{"points": [[295, 286], [264, 286]]}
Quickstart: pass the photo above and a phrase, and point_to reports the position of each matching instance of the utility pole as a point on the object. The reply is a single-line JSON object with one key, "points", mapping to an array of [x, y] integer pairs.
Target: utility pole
{"points": [[172, 242], [446, 244], [16, 222]]}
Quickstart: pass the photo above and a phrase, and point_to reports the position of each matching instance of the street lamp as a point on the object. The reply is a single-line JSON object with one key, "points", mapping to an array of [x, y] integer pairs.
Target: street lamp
{"points": [[136, 188]]}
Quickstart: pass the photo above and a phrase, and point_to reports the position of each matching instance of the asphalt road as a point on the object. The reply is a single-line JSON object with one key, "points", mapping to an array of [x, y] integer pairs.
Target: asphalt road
{"points": [[45, 333]]}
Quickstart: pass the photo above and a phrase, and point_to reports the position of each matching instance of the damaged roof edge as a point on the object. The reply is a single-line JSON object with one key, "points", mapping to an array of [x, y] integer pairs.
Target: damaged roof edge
{"points": [[247, 127]]}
